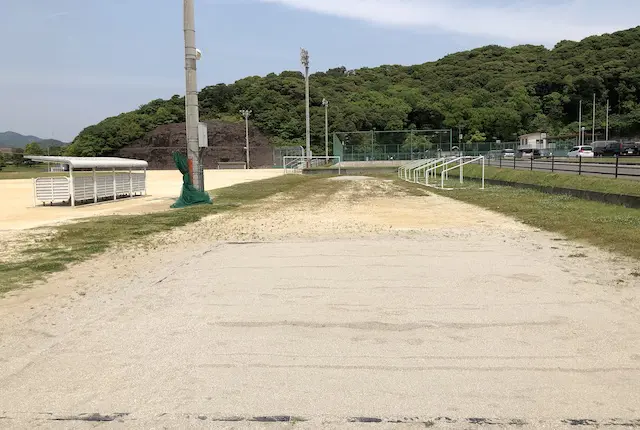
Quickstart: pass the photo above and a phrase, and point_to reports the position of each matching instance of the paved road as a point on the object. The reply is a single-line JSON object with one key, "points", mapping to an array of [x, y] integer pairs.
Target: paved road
{"points": [[333, 331], [629, 171]]}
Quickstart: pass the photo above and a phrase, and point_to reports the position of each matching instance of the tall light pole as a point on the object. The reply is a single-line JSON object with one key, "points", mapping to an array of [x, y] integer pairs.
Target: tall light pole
{"points": [[607, 132], [304, 59], [580, 125], [246, 114], [593, 127], [191, 96], [325, 103]]}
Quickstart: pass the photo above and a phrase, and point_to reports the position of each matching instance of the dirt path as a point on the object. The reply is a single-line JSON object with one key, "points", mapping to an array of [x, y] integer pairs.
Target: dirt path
{"points": [[356, 304]]}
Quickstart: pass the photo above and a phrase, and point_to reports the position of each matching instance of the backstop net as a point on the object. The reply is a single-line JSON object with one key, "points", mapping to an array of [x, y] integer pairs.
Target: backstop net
{"points": [[392, 145], [280, 152]]}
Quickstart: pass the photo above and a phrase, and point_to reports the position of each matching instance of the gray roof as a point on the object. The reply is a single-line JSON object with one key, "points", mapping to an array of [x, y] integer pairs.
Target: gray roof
{"points": [[92, 162]]}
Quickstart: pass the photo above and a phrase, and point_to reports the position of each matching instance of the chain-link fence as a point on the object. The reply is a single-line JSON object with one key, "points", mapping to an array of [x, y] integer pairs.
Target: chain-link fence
{"points": [[286, 151], [559, 148], [416, 144], [393, 145]]}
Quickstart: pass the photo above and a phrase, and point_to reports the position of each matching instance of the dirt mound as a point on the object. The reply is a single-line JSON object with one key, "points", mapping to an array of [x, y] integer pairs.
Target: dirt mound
{"points": [[226, 144]]}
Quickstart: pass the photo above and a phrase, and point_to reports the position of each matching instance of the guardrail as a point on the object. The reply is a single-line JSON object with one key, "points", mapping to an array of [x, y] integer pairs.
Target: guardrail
{"points": [[614, 167], [296, 164], [414, 171]]}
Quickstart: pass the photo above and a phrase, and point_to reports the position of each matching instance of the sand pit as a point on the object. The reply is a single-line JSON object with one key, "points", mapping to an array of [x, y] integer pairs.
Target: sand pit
{"points": [[163, 186], [345, 310]]}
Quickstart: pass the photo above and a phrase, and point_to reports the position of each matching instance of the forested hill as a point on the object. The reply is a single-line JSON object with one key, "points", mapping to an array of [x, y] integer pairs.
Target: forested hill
{"points": [[490, 92]]}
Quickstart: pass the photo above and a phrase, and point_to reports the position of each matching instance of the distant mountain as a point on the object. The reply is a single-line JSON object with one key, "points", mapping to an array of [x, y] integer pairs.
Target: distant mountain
{"points": [[10, 139]]}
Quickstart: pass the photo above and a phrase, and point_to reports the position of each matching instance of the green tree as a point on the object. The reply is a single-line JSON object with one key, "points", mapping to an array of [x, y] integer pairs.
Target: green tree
{"points": [[416, 142], [16, 158], [55, 150], [33, 148], [2, 162], [477, 136], [489, 92]]}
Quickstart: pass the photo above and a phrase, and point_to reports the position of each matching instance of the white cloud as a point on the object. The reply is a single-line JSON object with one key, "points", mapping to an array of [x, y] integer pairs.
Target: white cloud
{"points": [[521, 22]]}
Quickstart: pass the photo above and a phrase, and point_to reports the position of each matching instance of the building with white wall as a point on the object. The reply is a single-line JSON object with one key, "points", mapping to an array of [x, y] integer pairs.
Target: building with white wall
{"points": [[534, 141]]}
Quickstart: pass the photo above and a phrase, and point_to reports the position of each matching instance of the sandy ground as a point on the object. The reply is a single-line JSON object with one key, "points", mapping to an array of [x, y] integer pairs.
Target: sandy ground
{"points": [[362, 305], [163, 187]]}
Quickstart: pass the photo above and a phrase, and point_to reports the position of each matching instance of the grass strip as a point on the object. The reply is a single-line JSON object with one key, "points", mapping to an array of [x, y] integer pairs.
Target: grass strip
{"points": [[624, 160], [610, 227], [76, 242], [558, 180]]}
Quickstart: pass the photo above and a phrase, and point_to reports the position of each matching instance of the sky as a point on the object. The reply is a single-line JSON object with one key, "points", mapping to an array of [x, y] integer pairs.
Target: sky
{"points": [[67, 64]]}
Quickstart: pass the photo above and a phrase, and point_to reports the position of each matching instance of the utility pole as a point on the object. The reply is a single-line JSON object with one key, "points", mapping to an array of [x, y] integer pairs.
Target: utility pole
{"points": [[246, 114], [304, 59], [191, 96], [607, 132], [325, 103], [593, 127], [580, 125]]}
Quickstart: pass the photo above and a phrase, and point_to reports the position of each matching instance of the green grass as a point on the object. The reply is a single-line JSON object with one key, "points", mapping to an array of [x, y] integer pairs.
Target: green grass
{"points": [[24, 172], [611, 227], [79, 241], [603, 160], [558, 180]]}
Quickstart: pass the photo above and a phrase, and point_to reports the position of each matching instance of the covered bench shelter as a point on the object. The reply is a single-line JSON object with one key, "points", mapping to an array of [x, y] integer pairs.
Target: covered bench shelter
{"points": [[90, 180]]}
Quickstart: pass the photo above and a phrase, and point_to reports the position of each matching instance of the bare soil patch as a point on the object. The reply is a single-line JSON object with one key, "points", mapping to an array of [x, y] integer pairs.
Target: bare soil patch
{"points": [[359, 302]]}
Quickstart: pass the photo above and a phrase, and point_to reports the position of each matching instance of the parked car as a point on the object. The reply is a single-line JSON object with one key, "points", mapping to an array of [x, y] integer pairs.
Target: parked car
{"points": [[546, 153], [611, 149], [581, 151], [630, 148], [508, 153], [615, 149], [529, 153], [603, 147]]}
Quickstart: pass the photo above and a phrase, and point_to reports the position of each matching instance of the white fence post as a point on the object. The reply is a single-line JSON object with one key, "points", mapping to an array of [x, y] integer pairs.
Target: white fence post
{"points": [[35, 199], [73, 186], [95, 186]]}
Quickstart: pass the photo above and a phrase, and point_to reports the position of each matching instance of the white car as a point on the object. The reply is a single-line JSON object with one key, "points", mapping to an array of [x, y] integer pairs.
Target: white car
{"points": [[581, 151]]}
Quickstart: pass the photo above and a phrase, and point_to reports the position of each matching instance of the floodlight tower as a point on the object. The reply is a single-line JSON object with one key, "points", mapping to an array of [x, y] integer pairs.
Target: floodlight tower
{"points": [[246, 114], [325, 103], [580, 124], [191, 96], [304, 60]]}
